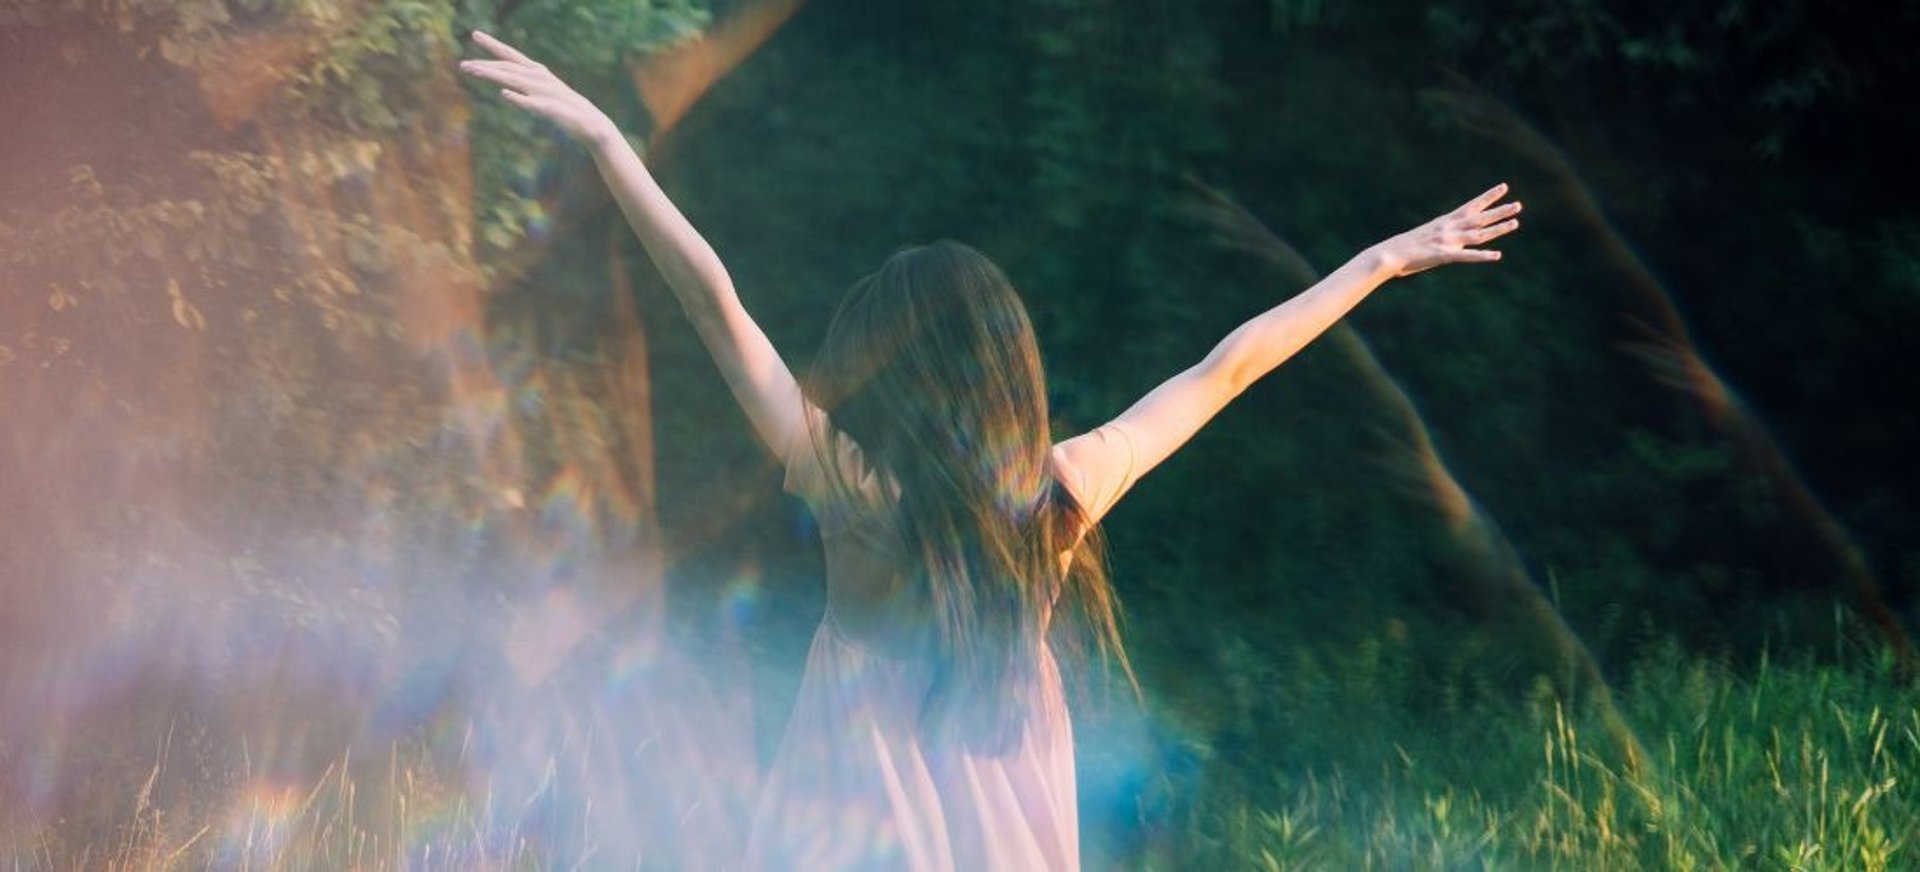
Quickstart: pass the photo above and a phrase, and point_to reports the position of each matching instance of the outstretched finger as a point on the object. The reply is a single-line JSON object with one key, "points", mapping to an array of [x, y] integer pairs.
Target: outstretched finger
{"points": [[1488, 234], [1504, 210], [1492, 196], [1476, 255], [507, 73], [499, 49], [522, 100]]}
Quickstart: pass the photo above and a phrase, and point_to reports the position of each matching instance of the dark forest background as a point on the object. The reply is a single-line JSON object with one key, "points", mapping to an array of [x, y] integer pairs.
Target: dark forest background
{"points": [[311, 354]]}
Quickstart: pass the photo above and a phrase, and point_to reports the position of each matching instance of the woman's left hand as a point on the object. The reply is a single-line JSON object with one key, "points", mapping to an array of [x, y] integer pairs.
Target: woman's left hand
{"points": [[531, 86]]}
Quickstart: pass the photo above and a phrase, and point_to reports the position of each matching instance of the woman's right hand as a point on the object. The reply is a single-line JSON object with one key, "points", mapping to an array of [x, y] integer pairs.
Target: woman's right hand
{"points": [[1450, 237], [531, 86]]}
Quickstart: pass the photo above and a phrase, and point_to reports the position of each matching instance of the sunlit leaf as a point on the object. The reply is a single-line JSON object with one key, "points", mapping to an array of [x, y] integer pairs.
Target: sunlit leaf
{"points": [[184, 313]]}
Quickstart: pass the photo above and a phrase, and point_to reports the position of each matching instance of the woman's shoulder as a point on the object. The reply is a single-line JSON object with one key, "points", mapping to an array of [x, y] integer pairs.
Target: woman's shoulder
{"points": [[828, 470], [1096, 467]]}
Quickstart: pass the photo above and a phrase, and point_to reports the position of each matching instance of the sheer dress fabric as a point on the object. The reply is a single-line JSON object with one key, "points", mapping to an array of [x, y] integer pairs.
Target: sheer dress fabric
{"points": [[854, 784]]}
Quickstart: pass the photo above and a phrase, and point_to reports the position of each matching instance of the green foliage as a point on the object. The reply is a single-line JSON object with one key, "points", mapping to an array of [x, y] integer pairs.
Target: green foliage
{"points": [[591, 39], [589, 44], [378, 73], [1796, 766]]}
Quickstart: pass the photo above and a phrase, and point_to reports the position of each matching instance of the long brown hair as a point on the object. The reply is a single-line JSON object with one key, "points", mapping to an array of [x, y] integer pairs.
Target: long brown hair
{"points": [[931, 367]]}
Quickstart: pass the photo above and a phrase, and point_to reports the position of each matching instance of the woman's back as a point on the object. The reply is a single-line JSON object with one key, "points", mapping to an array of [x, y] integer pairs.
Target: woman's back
{"points": [[857, 783]]}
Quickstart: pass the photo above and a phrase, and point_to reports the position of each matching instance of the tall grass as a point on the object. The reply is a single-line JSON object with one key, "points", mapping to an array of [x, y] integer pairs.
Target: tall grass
{"points": [[350, 817], [1804, 766]]}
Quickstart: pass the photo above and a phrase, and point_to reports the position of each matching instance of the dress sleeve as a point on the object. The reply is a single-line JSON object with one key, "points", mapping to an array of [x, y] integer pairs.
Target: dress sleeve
{"points": [[835, 507], [1098, 467]]}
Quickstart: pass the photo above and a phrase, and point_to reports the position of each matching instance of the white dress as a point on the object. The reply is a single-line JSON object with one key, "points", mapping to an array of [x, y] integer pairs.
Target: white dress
{"points": [[854, 784]]}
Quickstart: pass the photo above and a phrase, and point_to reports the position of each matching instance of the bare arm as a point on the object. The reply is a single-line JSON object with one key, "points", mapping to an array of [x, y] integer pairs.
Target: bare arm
{"points": [[759, 379], [1109, 459]]}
